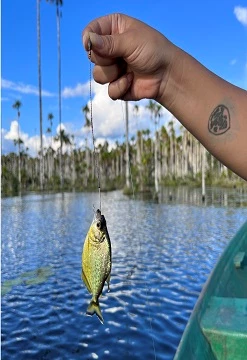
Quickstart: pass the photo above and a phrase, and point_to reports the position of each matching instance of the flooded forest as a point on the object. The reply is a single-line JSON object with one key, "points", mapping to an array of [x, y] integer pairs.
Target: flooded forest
{"points": [[146, 161]]}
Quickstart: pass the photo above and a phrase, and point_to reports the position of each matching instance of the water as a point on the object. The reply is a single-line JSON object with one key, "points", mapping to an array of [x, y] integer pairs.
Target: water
{"points": [[162, 255]]}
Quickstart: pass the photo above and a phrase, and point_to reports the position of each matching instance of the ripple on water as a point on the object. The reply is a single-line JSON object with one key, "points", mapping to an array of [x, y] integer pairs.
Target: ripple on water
{"points": [[159, 267]]}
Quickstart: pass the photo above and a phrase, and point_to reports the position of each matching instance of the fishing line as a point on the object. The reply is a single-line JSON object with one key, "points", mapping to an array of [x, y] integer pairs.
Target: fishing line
{"points": [[96, 161], [140, 250]]}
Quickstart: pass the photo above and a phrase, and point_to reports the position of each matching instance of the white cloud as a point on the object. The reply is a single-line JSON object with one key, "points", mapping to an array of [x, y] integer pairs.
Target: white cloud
{"points": [[23, 88], [77, 91], [241, 14], [30, 142], [108, 121], [109, 115], [8, 137], [63, 127], [13, 132], [4, 99]]}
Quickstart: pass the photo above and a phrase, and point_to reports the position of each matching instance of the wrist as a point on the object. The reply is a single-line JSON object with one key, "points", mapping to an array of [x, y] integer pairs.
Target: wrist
{"points": [[171, 83]]}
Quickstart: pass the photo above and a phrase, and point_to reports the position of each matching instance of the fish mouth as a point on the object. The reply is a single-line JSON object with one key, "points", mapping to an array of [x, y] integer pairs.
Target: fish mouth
{"points": [[100, 220], [97, 214]]}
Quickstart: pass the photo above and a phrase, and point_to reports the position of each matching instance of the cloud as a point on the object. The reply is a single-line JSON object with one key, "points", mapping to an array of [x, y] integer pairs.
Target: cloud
{"points": [[30, 142], [63, 127], [4, 99], [241, 14], [23, 88], [77, 91], [12, 134], [108, 121], [109, 115], [8, 137]]}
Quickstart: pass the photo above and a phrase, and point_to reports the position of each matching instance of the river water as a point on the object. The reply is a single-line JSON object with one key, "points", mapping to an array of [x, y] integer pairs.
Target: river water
{"points": [[163, 252]]}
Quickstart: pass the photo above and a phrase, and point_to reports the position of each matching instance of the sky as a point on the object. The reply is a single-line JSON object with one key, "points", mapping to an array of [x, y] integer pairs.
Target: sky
{"points": [[214, 32]]}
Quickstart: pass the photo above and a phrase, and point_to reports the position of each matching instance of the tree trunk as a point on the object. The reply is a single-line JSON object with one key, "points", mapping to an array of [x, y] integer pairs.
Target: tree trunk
{"points": [[156, 182], [59, 98], [40, 98], [19, 154], [171, 155], [203, 172]]}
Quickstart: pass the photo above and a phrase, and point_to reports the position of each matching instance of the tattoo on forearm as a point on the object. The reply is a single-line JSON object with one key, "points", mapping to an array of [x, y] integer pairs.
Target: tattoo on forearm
{"points": [[219, 121]]}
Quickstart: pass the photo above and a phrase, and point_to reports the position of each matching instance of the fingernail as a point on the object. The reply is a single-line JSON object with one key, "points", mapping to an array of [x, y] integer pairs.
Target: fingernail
{"points": [[85, 36], [96, 40]]}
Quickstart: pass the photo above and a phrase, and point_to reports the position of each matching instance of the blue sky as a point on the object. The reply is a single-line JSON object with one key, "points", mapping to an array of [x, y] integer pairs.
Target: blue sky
{"points": [[214, 32]]}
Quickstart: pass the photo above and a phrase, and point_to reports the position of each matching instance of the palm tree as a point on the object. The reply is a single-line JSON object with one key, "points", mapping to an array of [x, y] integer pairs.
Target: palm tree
{"points": [[203, 172], [86, 111], [172, 140], [136, 110], [59, 3], [151, 108], [136, 114], [157, 165], [59, 14], [63, 138], [49, 129], [73, 160], [155, 112], [164, 150], [40, 98], [50, 151], [139, 156], [184, 150], [17, 105]]}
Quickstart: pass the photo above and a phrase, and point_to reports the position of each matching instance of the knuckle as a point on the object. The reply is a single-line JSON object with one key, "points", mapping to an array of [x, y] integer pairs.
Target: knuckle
{"points": [[113, 92], [110, 45], [97, 75], [117, 89]]}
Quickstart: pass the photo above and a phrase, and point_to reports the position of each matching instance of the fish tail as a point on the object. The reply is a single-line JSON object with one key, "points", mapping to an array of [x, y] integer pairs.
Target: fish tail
{"points": [[94, 308]]}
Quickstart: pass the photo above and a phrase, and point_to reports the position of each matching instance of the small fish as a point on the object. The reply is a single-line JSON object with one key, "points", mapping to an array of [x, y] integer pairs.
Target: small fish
{"points": [[96, 262]]}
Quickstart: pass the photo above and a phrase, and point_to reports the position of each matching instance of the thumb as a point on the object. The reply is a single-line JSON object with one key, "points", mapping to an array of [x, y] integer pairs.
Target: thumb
{"points": [[108, 45]]}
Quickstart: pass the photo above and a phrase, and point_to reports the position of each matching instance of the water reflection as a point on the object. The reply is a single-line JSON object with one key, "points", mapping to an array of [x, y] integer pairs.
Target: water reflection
{"points": [[186, 195]]}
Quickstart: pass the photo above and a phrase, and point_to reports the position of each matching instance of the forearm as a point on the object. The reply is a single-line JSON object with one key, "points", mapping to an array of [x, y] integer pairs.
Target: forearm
{"points": [[192, 93]]}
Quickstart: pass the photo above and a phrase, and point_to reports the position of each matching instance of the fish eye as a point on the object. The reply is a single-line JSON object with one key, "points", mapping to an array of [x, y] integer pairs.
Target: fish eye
{"points": [[98, 224]]}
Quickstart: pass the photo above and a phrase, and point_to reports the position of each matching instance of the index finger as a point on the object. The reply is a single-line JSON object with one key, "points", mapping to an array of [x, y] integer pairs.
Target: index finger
{"points": [[100, 26], [104, 25]]}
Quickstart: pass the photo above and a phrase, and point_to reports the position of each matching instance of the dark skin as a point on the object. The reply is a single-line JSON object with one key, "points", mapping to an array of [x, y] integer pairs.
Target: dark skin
{"points": [[139, 62]]}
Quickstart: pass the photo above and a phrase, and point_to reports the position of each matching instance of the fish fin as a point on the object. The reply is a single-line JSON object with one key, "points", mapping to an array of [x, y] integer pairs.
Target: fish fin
{"points": [[108, 282], [83, 276], [94, 308]]}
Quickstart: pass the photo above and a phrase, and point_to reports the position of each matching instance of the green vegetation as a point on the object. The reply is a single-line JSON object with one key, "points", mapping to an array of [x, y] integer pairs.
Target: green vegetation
{"points": [[174, 160]]}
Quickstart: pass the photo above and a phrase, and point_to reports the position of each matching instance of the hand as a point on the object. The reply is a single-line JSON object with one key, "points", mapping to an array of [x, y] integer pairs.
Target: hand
{"points": [[130, 55], [139, 62]]}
